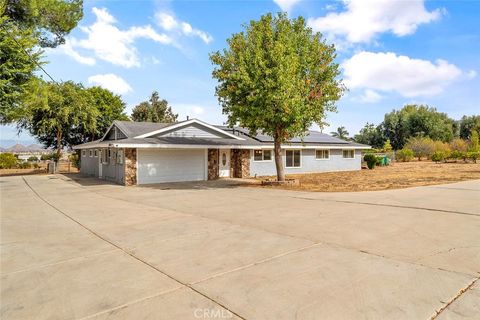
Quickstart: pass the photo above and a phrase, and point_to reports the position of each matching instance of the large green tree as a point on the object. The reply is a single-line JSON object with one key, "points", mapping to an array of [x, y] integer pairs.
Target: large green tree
{"points": [[370, 135], [19, 58], [110, 107], [107, 107], [25, 27], [277, 77], [58, 111], [154, 110], [49, 20], [467, 124], [414, 121]]}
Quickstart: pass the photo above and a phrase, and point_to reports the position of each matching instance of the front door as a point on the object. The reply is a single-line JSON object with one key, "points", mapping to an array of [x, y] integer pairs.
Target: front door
{"points": [[224, 165]]}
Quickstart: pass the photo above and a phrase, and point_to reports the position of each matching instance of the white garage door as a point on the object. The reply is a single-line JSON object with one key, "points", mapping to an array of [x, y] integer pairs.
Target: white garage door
{"points": [[155, 166]]}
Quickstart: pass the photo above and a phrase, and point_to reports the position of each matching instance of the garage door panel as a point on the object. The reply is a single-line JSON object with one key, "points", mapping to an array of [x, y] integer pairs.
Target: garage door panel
{"points": [[156, 166]]}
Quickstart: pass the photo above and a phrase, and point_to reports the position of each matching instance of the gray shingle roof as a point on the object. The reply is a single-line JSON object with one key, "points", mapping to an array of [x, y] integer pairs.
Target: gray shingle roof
{"points": [[313, 137], [132, 129]]}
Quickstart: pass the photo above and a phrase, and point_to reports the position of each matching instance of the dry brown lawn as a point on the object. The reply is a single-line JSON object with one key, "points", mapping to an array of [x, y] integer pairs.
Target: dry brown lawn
{"points": [[19, 172], [397, 175], [63, 168]]}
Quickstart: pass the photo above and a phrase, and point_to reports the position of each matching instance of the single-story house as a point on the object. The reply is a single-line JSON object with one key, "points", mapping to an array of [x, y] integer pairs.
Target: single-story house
{"points": [[132, 153]]}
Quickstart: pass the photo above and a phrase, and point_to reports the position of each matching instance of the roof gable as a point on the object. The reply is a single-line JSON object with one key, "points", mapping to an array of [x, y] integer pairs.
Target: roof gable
{"points": [[114, 133], [190, 129]]}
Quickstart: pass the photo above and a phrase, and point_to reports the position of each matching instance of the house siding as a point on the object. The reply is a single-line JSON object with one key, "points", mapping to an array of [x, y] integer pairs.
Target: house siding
{"points": [[308, 163], [193, 131], [88, 165], [111, 171]]}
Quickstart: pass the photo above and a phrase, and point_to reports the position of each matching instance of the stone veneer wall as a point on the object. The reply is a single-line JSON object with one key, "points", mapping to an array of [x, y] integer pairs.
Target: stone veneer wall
{"points": [[240, 163], [130, 167], [213, 155]]}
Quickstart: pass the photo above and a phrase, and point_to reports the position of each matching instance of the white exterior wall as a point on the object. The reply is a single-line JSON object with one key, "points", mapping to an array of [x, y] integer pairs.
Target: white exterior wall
{"points": [[111, 171], [308, 163]]}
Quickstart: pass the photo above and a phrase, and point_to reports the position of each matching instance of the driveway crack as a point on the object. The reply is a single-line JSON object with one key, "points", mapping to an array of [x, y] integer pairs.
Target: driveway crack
{"points": [[455, 298], [388, 205], [130, 254]]}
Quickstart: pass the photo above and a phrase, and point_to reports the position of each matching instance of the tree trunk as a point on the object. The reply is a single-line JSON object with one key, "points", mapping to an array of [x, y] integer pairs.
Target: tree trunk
{"points": [[278, 158], [59, 144]]}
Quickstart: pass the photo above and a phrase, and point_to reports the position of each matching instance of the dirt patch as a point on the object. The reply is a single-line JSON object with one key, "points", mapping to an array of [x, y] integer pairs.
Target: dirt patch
{"points": [[21, 172], [397, 175], [64, 167]]}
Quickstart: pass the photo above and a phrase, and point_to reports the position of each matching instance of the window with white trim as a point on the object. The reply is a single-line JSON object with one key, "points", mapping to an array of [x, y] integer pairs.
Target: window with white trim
{"points": [[293, 158], [262, 155], [322, 154], [120, 156], [95, 153], [84, 153], [348, 154], [90, 153]]}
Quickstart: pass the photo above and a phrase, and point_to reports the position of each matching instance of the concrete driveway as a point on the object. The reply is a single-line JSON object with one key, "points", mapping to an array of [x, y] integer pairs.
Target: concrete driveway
{"points": [[76, 249]]}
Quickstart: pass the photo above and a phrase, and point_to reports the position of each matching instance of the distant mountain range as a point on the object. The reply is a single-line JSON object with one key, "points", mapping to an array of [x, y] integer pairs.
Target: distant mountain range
{"points": [[21, 148]]}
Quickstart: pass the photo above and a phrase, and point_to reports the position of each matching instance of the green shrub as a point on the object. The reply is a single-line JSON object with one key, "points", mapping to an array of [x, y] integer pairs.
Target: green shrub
{"points": [[438, 156], [455, 155], [36, 165], [24, 165], [8, 161], [387, 146], [474, 155], [49, 156], [371, 160], [32, 159], [75, 159], [405, 155]]}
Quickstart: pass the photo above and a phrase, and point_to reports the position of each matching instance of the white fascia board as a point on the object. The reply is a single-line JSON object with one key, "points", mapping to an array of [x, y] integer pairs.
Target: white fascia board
{"points": [[192, 146], [102, 144], [187, 123]]}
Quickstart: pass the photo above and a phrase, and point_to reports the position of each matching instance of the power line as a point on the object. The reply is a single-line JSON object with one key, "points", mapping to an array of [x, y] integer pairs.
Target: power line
{"points": [[30, 57]]}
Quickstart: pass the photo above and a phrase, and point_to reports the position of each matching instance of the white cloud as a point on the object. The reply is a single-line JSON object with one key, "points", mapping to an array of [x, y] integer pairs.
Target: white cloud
{"points": [[170, 23], [364, 19], [107, 42], [198, 110], [388, 72], [471, 74], [286, 5], [166, 21], [67, 49], [370, 96], [111, 82]]}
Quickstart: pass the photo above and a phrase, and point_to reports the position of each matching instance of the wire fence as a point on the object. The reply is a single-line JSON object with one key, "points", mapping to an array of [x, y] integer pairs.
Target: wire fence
{"points": [[41, 167]]}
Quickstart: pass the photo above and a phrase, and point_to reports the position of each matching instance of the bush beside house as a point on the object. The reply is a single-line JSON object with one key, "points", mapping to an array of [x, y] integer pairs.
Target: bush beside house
{"points": [[8, 160]]}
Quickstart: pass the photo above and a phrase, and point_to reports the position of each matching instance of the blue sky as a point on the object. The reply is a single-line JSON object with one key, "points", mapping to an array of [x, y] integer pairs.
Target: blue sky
{"points": [[391, 53]]}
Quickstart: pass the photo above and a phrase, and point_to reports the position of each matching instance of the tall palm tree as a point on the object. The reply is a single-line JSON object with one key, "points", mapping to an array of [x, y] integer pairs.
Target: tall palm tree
{"points": [[341, 133]]}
